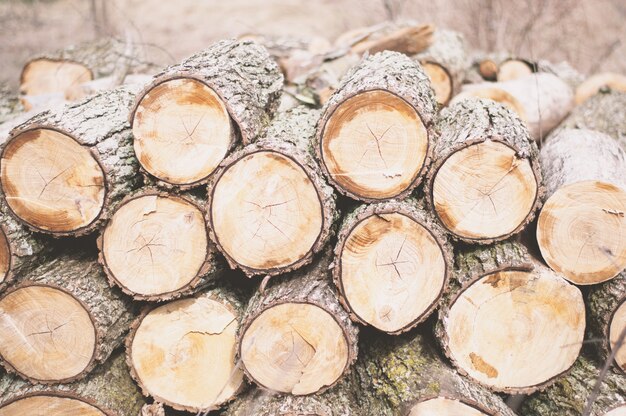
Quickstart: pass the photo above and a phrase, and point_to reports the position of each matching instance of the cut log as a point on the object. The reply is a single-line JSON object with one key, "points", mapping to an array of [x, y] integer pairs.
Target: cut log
{"points": [[604, 112], [542, 100], [392, 265], [406, 40], [507, 327], [61, 320], [581, 226], [563, 70], [569, 395], [156, 246], [485, 184], [514, 68], [296, 338], [607, 318], [108, 391], [445, 63], [191, 114], [595, 83], [280, 219], [183, 353], [488, 69], [64, 171], [67, 68], [374, 140]]}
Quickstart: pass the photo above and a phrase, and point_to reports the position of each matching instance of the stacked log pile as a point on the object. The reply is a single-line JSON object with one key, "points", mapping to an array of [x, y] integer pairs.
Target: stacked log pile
{"points": [[197, 246]]}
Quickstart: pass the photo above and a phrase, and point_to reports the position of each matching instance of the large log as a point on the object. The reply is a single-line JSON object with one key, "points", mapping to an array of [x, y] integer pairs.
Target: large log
{"points": [[269, 209], [61, 319], [183, 353], [542, 100], [510, 327], [156, 246], [191, 114], [64, 171], [392, 264], [607, 318], [485, 183], [581, 226], [295, 337], [107, 391], [375, 138], [569, 395]]}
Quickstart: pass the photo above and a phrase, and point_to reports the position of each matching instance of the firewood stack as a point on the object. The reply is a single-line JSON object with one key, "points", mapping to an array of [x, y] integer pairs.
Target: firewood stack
{"points": [[195, 246]]}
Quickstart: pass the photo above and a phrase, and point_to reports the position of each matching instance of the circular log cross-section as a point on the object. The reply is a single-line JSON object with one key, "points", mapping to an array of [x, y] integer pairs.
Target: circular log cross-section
{"points": [[183, 353], [46, 333], [374, 145], [498, 325], [182, 131], [484, 191], [46, 76], [514, 69], [52, 182], [443, 406], [617, 325], [392, 266], [296, 348], [155, 245], [270, 222], [50, 404], [441, 81]]}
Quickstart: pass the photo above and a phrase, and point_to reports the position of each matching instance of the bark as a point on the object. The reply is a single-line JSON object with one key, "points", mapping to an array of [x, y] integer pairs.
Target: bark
{"points": [[109, 387], [475, 121], [410, 208], [81, 276], [569, 395], [605, 112], [310, 285], [242, 73], [291, 134], [99, 123], [572, 156], [393, 72], [563, 70], [10, 104], [602, 303]]}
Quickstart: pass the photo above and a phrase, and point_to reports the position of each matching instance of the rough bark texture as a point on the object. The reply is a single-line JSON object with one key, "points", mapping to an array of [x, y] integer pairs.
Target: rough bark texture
{"points": [[110, 311], [242, 73], [10, 104], [604, 112], [412, 209], [291, 134], [449, 50], [109, 387], [99, 123], [312, 285], [568, 396], [212, 268], [602, 302], [572, 156], [393, 72], [474, 121]]}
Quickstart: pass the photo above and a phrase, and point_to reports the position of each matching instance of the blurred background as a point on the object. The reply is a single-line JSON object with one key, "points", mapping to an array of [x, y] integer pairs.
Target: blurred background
{"points": [[590, 34]]}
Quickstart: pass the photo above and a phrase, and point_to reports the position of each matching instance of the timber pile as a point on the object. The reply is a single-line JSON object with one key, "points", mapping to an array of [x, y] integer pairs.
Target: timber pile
{"points": [[206, 243]]}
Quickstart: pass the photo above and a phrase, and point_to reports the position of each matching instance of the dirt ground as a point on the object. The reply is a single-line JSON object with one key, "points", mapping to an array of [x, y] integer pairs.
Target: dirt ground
{"points": [[588, 33]]}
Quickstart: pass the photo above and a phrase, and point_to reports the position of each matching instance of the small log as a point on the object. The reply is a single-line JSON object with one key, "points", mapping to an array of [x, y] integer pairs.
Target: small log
{"points": [[485, 183], [580, 227], [295, 337], [514, 68], [595, 83], [445, 63], [190, 116], [278, 221], [60, 320], [156, 246], [407, 40], [569, 395], [392, 265], [64, 170], [107, 391], [193, 367], [374, 140], [503, 315], [607, 318]]}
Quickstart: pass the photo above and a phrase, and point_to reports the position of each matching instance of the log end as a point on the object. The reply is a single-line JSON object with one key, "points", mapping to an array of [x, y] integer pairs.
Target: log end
{"points": [[46, 76]]}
